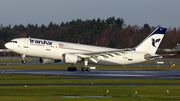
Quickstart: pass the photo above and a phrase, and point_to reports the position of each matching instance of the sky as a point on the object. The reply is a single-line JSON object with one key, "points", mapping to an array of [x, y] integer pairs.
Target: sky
{"points": [[165, 13]]}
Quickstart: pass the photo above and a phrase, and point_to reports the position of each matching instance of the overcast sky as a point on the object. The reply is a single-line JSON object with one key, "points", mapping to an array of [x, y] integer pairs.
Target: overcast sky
{"points": [[134, 12]]}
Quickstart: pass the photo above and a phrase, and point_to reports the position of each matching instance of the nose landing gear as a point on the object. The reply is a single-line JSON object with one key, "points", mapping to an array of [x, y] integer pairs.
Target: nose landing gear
{"points": [[23, 58]]}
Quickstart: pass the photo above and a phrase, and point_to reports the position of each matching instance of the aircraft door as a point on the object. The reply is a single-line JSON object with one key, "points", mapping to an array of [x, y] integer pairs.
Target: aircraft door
{"points": [[130, 58], [48, 47], [26, 44]]}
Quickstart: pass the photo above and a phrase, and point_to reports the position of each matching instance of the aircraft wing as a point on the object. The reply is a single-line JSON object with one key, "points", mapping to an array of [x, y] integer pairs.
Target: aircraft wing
{"points": [[118, 52], [106, 54]]}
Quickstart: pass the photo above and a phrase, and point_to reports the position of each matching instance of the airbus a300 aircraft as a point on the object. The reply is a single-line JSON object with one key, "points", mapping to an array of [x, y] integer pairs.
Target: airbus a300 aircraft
{"points": [[73, 53]]}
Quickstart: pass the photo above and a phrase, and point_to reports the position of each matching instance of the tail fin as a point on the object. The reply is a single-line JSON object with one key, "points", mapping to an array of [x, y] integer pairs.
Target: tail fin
{"points": [[152, 42]]}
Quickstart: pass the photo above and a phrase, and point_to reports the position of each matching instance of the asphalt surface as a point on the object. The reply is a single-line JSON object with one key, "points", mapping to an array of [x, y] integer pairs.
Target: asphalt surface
{"points": [[122, 74]]}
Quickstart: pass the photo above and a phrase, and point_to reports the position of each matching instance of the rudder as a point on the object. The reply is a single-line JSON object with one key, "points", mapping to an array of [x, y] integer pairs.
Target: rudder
{"points": [[152, 42]]}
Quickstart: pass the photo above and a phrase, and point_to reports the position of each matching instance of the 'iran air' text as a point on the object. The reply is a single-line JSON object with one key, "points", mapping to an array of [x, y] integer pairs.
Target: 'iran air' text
{"points": [[42, 42]]}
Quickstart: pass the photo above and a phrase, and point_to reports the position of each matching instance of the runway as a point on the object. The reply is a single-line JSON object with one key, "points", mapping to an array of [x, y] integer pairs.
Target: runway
{"points": [[122, 74]]}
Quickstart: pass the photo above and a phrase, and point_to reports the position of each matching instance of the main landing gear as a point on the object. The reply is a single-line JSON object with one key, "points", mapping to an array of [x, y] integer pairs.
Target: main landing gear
{"points": [[88, 69], [85, 68], [72, 68]]}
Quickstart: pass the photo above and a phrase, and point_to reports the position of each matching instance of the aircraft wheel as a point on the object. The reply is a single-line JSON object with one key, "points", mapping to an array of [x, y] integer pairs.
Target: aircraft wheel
{"points": [[23, 61], [83, 68], [70, 68], [88, 69], [74, 69]]}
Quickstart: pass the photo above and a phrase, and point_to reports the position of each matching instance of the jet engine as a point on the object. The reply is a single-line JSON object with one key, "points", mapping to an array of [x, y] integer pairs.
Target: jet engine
{"points": [[70, 58], [42, 60]]}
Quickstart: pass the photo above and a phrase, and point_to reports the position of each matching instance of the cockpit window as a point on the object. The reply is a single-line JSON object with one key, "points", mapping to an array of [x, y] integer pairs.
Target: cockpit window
{"points": [[14, 41]]}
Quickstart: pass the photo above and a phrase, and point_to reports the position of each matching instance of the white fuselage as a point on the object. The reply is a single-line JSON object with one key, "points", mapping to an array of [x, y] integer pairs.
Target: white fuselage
{"points": [[55, 49]]}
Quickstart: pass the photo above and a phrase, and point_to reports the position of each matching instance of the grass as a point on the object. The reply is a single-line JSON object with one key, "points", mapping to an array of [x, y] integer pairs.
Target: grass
{"points": [[91, 92], [84, 92], [14, 64], [43, 79], [34, 64]]}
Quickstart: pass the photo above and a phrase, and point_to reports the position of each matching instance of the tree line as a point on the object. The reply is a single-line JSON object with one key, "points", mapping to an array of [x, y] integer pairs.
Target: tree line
{"points": [[112, 32]]}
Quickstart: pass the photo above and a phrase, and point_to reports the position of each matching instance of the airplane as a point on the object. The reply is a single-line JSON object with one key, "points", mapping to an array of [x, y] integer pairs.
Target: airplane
{"points": [[49, 50]]}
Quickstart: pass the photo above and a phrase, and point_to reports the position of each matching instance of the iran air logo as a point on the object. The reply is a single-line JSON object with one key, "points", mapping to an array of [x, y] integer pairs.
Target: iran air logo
{"points": [[154, 41]]}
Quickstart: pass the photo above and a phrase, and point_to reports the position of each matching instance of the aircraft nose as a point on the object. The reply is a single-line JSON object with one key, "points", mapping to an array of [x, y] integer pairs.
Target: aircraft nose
{"points": [[7, 45]]}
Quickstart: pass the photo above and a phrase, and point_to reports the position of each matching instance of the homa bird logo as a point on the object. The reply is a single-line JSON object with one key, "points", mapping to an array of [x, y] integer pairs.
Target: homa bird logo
{"points": [[154, 41]]}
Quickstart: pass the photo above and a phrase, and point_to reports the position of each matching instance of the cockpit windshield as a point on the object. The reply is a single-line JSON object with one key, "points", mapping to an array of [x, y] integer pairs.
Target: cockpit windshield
{"points": [[13, 41]]}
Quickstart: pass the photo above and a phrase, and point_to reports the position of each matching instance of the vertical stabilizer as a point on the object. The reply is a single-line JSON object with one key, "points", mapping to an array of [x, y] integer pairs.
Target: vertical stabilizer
{"points": [[152, 42]]}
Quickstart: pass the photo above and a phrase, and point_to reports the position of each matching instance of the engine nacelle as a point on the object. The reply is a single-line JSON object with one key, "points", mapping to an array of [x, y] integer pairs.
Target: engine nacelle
{"points": [[42, 60], [70, 58]]}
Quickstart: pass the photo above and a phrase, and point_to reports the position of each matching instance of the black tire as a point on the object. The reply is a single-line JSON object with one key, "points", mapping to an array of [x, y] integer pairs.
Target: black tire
{"points": [[70, 68], [88, 69], [74, 69], [23, 61], [83, 68]]}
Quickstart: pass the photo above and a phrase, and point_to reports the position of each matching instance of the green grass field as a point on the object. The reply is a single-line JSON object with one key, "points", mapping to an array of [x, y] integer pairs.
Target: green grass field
{"points": [[91, 92], [84, 92], [16, 64]]}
